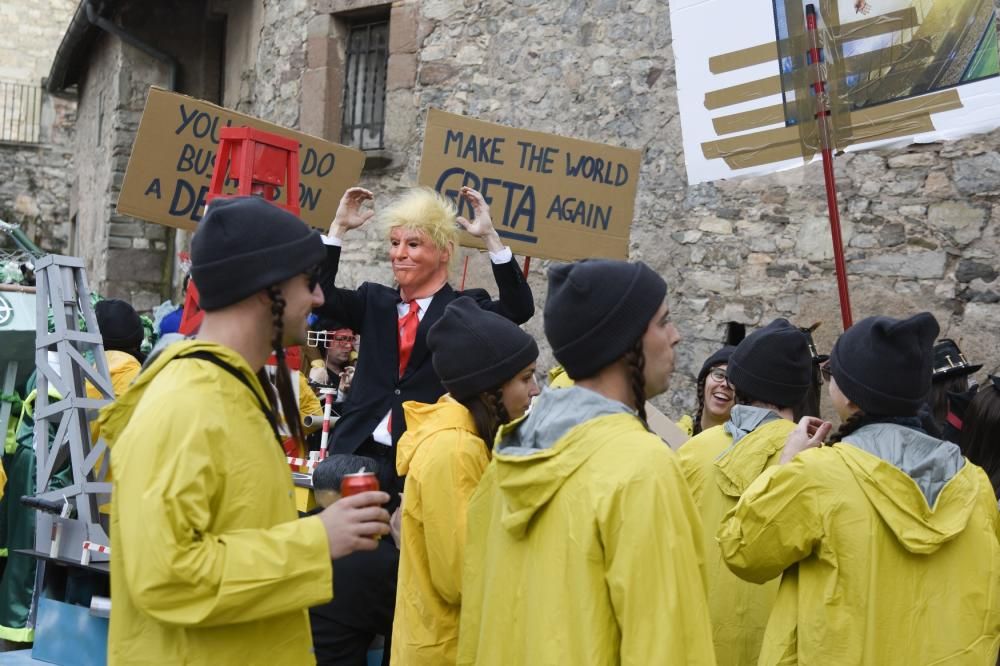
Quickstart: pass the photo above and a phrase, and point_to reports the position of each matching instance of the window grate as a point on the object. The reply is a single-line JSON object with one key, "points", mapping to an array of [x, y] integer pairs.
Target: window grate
{"points": [[20, 112], [363, 122]]}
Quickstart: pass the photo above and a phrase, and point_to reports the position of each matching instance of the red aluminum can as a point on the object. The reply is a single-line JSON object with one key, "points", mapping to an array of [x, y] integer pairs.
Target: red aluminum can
{"points": [[362, 482]]}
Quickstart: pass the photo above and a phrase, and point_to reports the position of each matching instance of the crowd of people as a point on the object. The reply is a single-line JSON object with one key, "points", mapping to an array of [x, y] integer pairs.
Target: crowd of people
{"points": [[521, 524]]}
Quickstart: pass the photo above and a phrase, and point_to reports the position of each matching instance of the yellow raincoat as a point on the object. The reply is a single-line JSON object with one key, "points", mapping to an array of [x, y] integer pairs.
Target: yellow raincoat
{"points": [[883, 575], [584, 546], [718, 472], [123, 369], [209, 562], [443, 459]]}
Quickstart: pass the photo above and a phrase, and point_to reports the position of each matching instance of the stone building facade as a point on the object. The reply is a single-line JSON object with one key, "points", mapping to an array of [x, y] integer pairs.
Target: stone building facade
{"points": [[36, 128], [921, 223]]}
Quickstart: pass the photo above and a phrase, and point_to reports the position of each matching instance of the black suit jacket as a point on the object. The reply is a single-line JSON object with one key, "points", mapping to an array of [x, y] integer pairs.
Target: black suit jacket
{"points": [[370, 310]]}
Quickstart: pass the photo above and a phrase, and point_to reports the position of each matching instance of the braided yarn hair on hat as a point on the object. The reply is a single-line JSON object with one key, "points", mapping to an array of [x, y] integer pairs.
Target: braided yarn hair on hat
{"points": [[282, 376], [635, 363]]}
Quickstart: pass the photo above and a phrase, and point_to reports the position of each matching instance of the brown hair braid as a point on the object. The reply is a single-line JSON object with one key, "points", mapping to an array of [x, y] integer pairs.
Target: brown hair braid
{"points": [[701, 404], [855, 421], [488, 413], [636, 363], [282, 377]]}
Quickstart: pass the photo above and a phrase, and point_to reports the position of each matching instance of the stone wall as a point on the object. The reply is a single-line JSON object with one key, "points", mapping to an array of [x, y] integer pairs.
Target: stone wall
{"points": [[129, 258], [920, 222], [35, 178], [32, 30]]}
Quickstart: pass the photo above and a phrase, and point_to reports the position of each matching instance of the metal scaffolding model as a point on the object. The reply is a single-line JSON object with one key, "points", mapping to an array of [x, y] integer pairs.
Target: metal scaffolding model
{"points": [[61, 531]]}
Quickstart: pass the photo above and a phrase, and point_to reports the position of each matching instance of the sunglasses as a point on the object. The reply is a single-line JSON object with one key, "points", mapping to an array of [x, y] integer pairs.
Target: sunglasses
{"points": [[825, 370]]}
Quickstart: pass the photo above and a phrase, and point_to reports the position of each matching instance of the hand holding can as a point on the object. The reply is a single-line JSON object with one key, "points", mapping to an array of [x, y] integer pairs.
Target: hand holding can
{"points": [[355, 522]]}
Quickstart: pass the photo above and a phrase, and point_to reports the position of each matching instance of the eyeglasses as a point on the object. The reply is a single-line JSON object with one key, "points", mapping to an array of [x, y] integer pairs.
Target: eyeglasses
{"points": [[718, 374], [825, 370]]}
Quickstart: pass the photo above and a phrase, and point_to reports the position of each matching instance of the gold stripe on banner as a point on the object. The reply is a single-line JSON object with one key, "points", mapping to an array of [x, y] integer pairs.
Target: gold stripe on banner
{"points": [[743, 92], [754, 55], [747, 120], [889, 129], [755, 149], [946, 100], [888, 121], [902, 19]]}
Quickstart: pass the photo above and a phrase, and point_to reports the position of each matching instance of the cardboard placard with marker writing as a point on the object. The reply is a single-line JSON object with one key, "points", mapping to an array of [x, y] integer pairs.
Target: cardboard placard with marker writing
{"points": [[174, 153], [550, 196]]}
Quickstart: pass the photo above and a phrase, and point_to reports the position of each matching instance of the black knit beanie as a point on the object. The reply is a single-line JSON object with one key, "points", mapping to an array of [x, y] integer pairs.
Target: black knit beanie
{"points": [[120, 325], [718, 358], [245, 244], [883, 365], [596, 310], [474, 350], [772, 365]]}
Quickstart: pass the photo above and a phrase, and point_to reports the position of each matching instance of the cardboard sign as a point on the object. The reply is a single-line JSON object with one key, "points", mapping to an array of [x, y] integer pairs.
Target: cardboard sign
{"points": [[549, 196], [896, 72], [665, 428], [174, 154]]}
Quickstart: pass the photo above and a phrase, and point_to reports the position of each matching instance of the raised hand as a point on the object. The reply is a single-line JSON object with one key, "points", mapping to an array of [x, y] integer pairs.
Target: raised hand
{"points": [[481, 225], [809, 433], [350, 214]]}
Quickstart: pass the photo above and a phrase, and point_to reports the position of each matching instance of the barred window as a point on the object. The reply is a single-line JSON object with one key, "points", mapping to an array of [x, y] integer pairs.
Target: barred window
{"points": [[20, 112], [364, 85]]}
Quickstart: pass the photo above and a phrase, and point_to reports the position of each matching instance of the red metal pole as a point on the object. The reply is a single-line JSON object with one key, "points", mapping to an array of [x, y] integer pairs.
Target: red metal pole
{"points": [[823, 122], [465, 271], [527, 266]]}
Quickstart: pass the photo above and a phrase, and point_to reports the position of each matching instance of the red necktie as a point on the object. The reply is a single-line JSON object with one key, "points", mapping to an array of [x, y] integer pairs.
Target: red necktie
{"points": [[407, 326], [407, 335]]}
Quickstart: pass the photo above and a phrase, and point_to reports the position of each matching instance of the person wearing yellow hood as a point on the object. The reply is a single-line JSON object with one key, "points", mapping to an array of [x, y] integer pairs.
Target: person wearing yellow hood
{"points": [[769, 372], [209, 564], [487, 364], [584, 546], [888, 538]]}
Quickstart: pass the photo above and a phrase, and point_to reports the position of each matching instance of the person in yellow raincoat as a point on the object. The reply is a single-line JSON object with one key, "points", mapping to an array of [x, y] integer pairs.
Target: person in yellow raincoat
{"points": [[769, 372], [715, 396], [209, 564], [888, 538], [487, 365], [584, 546], [121, 334]]}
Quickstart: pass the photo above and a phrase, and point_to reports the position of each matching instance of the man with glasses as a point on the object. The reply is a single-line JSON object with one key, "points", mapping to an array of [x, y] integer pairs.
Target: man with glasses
{"points": [[770, 372], [336, 344]]}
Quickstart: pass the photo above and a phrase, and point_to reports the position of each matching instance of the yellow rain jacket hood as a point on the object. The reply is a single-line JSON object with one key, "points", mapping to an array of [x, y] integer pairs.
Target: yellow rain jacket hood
{"points": [[895, 537], [209, 563], [584, 546], [719, 464], [443, 458]]}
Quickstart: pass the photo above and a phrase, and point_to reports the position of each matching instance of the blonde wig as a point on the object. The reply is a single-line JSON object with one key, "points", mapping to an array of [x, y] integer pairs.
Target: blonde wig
{"points": [[424, 210]]}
